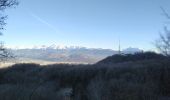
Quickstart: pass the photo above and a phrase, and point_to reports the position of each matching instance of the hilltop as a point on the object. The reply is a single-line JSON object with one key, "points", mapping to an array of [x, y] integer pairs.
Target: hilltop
{"points": [[120, 58]]}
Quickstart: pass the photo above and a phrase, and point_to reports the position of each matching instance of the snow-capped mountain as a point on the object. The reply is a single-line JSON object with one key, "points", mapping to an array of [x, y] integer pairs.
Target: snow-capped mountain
{"points": [[131, 50], [75, 54]]}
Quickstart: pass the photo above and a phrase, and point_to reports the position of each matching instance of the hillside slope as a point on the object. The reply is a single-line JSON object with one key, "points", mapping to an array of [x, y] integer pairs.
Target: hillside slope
{"points": [[132, 58], [144, 79]]}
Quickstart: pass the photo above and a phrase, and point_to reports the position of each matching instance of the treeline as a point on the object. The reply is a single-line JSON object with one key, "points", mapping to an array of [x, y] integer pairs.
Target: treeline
{"points": [[143, 76]]}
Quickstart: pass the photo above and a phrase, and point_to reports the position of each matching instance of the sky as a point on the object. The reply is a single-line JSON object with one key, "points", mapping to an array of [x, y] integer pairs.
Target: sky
{"points": [[87, 23]]}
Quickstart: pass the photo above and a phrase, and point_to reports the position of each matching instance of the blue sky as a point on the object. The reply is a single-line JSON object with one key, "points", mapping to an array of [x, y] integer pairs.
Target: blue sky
{"points": [[88, 23]]}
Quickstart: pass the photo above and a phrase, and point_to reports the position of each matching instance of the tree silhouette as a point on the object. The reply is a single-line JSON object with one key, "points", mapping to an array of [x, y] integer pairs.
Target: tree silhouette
{"points": [[4, 4], [163, 43]]}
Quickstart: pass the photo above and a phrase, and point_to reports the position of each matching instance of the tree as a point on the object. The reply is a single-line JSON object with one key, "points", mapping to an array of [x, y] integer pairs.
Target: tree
{"points": [[4, 4], [163, 43], [5, 54]]}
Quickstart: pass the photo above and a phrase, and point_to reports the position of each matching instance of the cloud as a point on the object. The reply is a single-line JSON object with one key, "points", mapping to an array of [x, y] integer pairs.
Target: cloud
{"points": [[43, 21]]}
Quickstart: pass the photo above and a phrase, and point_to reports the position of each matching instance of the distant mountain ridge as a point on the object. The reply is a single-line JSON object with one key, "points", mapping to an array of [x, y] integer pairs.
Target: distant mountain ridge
{"points": [[131, 50], [72, 54]]}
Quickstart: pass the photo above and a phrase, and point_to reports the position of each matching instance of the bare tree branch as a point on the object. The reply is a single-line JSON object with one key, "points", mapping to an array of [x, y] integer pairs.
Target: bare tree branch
{"points": [[165, 13], [5, 54]]}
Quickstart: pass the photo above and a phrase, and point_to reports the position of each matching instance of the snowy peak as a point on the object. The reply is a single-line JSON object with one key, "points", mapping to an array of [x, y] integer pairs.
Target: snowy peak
{"points": [[53, 46], [132, 50]]}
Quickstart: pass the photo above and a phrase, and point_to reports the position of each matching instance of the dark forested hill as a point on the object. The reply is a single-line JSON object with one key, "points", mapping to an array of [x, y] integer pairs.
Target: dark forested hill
{"points": [[143, 76], [132, 58]]}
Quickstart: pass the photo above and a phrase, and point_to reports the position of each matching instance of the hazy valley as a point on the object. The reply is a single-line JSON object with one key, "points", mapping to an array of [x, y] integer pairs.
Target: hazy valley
{"points": [[54, 54]]}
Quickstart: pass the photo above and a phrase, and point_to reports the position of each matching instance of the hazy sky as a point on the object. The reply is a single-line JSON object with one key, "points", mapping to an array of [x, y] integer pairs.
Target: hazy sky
{"points": [[89, 23]]}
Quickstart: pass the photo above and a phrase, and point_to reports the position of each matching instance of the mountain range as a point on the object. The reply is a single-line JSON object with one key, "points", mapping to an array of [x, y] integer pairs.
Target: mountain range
{"points": [[64, 54]]}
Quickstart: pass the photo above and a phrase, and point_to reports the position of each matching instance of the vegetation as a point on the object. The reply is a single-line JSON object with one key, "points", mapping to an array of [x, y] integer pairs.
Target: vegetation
{"points": [[4, 4], [131, 57], [143, 79], [163, 43]]}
